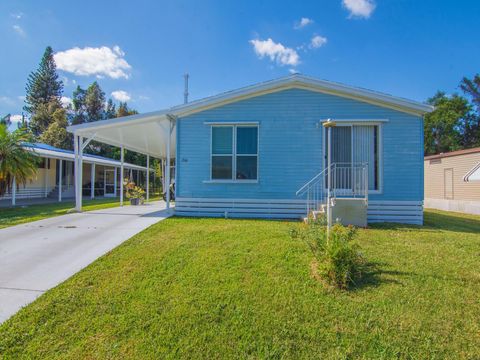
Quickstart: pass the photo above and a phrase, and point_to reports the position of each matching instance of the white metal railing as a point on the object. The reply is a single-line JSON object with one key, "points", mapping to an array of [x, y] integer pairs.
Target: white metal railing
{"points": [[347, 180], [315, 191], [350, 180]]}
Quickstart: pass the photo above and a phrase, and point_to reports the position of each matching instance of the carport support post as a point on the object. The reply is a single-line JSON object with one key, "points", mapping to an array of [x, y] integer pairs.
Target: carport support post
{"points": [[167, 168], [46, 162], [60, 176], [77, 144], [121, 175], [148, 177], [14, 191], [92, 181]]}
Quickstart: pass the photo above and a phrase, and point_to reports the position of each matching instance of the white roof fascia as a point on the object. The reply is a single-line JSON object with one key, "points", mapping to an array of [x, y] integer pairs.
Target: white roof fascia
{"points": [[289, 82], [126, 120], [86, 158], [300, 81]]}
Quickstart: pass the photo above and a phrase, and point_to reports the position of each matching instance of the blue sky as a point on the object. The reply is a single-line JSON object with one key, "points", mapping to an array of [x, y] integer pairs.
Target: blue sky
{"points": [[140, 50]]}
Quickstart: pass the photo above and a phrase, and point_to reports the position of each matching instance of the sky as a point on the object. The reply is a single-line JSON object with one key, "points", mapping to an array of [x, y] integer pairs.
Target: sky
{"points": [[139, 50]]}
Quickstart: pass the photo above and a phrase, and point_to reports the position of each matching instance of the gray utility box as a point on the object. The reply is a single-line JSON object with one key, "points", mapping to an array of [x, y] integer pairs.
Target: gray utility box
{"points": [[350, 211]]}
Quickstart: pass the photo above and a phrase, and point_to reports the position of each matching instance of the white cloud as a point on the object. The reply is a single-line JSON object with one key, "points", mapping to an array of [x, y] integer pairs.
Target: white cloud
{"points": [[19, 30], [276, 52], [303, 22], [66, 101], [17, 16], [121, 95], [359, 8], [101, 61], [317, 41], [293, 71]]}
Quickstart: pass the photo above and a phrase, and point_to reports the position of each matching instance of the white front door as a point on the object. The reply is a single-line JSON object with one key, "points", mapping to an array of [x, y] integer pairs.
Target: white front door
{"points": [[109, 184]]}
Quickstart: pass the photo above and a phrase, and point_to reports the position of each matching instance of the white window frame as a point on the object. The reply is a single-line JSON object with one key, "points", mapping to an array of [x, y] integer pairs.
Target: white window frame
{"points": [[234, 126], [359, 122]]}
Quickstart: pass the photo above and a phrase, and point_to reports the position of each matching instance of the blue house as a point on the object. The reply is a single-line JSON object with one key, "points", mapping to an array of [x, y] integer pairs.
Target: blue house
{"points": [[261, 151]]}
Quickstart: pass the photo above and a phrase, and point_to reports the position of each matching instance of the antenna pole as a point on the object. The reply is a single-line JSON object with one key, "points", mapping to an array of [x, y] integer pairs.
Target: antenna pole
{"points": [[185, 94]]}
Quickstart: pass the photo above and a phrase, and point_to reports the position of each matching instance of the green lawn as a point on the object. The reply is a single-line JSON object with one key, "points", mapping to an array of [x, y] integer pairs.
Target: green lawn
{"points": [[215, 288], [25, 214]]}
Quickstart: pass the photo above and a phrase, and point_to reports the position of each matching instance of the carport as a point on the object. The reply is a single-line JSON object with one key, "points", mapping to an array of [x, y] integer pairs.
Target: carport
{"points": [[152, 134]]}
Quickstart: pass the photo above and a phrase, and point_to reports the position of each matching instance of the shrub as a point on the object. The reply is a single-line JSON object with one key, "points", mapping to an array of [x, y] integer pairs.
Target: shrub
{"points": [[338, 259]]}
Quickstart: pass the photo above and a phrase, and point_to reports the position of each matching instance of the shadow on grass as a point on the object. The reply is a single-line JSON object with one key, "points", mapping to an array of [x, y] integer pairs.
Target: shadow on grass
{"points": [[373, 275], [437, 221]]}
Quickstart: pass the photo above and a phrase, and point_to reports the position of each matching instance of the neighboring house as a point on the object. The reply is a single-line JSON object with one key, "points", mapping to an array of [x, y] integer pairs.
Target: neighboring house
{"points": [[452, 181], [54, 178], [260, 151]]}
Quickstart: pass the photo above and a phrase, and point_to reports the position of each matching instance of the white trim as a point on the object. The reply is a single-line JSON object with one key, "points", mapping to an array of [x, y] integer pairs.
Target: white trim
{"points": [[233, 154], [247, 181], [230, 123], [357, 121]]}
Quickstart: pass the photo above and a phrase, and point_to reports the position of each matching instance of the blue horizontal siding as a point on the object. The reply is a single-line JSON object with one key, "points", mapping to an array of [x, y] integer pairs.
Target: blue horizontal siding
{"points": [[290, 145]]}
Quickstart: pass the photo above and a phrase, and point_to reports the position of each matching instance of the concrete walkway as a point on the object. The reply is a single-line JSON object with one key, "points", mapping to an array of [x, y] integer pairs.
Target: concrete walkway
{"points": [[37, 256]]}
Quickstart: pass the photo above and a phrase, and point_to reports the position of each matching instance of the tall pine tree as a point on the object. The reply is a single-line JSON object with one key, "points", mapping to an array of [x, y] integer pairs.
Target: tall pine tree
{"points": [[111, 110], [95, 102], [43, 85], [79, 115]]}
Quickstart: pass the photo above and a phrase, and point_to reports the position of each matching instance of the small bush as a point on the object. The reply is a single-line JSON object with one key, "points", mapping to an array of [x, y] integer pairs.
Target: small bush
{"points": [[338, 259]]}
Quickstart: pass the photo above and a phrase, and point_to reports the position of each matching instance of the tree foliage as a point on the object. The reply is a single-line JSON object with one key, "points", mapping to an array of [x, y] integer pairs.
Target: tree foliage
{"points": [[6, 120], [15, 161], [442, 126], [79, 115], [43, 85], [455, 122], [124, 110], [56, 133], [95, 102], [471, 125]]}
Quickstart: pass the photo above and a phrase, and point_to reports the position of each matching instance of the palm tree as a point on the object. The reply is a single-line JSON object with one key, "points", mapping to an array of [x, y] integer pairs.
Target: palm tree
{"points": [[15, 162]]}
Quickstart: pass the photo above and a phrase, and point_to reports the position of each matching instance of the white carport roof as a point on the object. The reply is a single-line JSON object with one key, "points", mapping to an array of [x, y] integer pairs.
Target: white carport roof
{"points": [[144, 133], [44, 150]]}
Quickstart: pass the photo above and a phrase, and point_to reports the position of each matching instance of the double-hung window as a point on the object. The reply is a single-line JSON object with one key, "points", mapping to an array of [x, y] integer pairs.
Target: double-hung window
{"points": [[234, 152]]}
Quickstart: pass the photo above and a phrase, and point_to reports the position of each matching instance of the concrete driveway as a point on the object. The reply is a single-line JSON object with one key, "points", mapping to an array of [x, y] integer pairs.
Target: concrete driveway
{"points": [[37, 256]]}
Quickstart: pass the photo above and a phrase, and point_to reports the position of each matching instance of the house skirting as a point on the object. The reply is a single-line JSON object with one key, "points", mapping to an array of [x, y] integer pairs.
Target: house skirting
{"points": [[464, 206], [409, 212]]}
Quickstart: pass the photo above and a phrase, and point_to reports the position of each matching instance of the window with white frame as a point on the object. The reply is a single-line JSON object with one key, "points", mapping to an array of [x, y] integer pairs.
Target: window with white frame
{"points": [[234, 152]]}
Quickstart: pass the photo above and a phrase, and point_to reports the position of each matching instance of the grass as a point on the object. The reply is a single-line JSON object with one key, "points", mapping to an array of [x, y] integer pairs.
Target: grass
{"points": [[25, 214], [215, 288]]}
